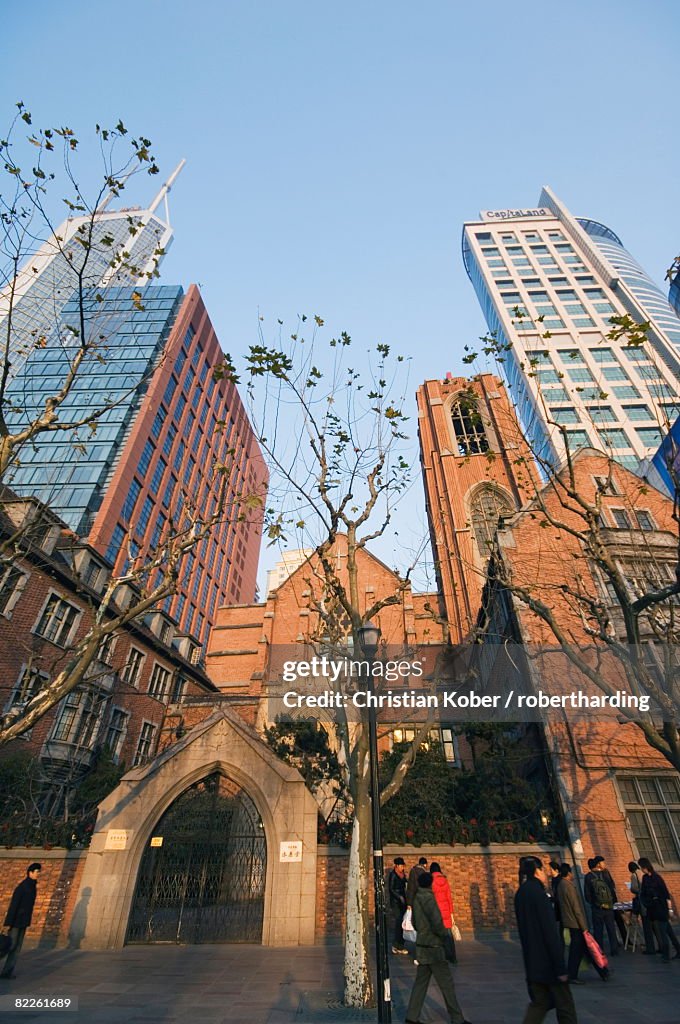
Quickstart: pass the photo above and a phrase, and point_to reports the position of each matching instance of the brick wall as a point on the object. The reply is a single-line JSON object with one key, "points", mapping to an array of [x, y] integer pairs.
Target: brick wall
{"points": [[58, 886], [483, 881]]}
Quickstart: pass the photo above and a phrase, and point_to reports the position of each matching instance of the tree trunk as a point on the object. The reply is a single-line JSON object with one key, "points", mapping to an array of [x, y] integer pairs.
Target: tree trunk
{"points": [[358, 981]]}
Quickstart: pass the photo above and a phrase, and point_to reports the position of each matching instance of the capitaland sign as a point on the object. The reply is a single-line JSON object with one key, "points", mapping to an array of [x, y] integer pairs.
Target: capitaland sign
{"points": [[509, 214]]}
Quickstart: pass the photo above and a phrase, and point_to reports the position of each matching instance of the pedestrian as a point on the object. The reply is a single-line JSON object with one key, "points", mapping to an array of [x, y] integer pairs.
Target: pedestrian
{"points": [[656, 897], [600, 893], [413, 876], [431, 955], [573, 917], [639, 909], [19, 915], [543, 957], [441, 891], [555, 879], [396, 887]]}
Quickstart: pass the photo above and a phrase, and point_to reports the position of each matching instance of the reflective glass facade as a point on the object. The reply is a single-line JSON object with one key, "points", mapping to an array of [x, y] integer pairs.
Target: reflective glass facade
{"points": [[69, 470]]}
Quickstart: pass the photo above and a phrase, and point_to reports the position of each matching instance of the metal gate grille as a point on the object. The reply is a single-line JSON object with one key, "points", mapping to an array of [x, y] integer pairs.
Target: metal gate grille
{"points": [[206, 882]]}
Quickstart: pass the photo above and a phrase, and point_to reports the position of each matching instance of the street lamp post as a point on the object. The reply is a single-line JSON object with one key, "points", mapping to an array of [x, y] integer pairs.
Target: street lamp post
{"points": [[369, 636]]}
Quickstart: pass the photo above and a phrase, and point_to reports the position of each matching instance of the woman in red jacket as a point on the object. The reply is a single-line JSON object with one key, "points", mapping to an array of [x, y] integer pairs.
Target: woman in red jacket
{"points": [[442, 894]]}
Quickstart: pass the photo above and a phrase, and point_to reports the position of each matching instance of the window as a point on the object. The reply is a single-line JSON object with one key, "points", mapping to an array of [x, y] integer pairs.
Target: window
{"points": [[615, 438], [58, 620], [567, 415], [158, 472], [117, 538], [31, 680], [170, 389], [133, 666], [448, 742], [644, 520], [115, 734], [159, 684], [571, 356], [78, 719], [12, 582], [178, 689], [106, 647], [487, 507], [548, 377], [636, 354], [652, 805], [577, 439], [603, 413], [621, 518], [169, 440], [627, 391], [602, 355], [637, 412], [580, 374], [468, 428], [159, 421], [129, 505], [614, 373], [650, 436], [144, 744], [145, 458], [144, 516]]}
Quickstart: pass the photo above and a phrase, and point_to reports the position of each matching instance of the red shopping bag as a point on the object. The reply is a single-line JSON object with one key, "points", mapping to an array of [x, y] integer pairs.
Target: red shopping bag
{"points": [[598, 957]]}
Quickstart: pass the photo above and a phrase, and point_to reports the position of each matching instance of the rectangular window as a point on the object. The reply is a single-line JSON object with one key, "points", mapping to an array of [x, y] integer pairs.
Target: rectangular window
{"points": [[145, 458], [106, 647], [621, 518], [644, 520], [652, 804], [159, 683], [448, 742], [159, 421], [650, 436], [602, 355], [547, 376], [115, 734], [30, 682], [158, 472], [117, 538], [170, 389], [144, 516], [637, 412], [602, 413], [169, 440], [614, 373], [615, 438], [130, 501], [567, 415], [133, 667], [144, 744], [627, 392], [58, 620], [580, 374], [178, 690], [571, 356], [577, 439], [12, 582], [78, 719], [636, 353]]}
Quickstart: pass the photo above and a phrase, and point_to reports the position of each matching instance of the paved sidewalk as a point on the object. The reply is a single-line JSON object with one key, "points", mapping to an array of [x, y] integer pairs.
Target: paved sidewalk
{"points": [[253, 985]]}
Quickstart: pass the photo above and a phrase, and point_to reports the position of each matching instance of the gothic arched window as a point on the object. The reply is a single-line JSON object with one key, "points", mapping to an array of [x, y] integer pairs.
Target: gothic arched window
{"points": [[486, 508], [468, 427]]}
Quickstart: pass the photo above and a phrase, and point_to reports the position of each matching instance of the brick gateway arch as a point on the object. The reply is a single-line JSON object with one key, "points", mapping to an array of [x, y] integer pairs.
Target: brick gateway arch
{"points": [[225, 752]]}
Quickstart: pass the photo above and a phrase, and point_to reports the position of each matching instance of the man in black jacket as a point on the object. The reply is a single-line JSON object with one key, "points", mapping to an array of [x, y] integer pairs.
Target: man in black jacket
{"points": [[396, 887], [600, 892], [543, 957], [19, 915]]}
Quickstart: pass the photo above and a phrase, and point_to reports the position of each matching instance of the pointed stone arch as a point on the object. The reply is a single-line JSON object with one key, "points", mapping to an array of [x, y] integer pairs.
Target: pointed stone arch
{"points": [[223, 743]]}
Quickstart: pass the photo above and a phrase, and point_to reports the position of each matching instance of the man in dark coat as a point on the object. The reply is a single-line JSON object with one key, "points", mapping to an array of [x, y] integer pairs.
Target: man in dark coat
{"points": [[430, 954], [396, 886], [414, 874], [543, 957], [19, 915], [600, 892]]}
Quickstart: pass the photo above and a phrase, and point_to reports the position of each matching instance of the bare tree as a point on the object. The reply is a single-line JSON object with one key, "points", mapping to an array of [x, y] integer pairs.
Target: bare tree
{"points": [[606, 594], [335, 441]]}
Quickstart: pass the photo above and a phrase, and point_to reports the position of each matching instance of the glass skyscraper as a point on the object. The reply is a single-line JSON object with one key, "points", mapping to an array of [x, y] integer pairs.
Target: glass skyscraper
{"points": [[548, 284], [47, 281], [124, 483]]}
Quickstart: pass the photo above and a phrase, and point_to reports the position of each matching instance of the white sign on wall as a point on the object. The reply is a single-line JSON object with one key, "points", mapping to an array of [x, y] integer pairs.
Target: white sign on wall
{"points": [[290, 852], [117, 839]]}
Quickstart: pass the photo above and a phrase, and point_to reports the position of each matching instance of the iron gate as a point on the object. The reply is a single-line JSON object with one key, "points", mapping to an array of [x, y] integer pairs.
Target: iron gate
{"points": [[206, 882]]}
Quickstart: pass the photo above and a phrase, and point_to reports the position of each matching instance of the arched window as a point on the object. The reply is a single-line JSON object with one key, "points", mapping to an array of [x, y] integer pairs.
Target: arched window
{"points": [[486, 508], [468, 427]]}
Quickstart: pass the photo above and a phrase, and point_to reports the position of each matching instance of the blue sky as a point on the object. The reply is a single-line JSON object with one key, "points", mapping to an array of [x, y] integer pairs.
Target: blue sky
{"points": [[334, 151]]}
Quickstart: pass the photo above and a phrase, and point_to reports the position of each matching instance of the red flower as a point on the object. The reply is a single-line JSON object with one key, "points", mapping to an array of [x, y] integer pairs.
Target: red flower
{"points": [[492, 824], [409, 833], [473, 821]]}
